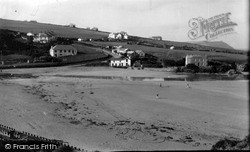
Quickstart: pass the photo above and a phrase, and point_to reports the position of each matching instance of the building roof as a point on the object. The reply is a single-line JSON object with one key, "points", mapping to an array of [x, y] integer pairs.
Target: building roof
{"points": [[139, 51], [119, 59], [196, 55], [156, 36], [42, 34], [30, 34], [130, 52], [64, 47]]}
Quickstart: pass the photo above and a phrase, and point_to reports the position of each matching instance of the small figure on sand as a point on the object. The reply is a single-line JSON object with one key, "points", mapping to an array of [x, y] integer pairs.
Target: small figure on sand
{"points": [[160, 85], [188, 86], [157, 96]]}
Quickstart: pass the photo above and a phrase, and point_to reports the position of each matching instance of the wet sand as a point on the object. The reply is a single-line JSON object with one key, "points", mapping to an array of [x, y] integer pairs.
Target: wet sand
{"points": [[98, 114]]}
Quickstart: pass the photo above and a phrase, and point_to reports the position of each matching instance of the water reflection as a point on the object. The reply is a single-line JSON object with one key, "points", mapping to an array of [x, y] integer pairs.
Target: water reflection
{"points": [[193, 77]]}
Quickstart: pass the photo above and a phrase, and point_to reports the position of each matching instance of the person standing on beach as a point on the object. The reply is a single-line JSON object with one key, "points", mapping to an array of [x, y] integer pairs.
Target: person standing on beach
{"points": [[157, 96]]}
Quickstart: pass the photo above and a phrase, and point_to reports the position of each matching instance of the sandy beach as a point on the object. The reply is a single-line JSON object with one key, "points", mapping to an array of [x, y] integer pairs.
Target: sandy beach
{"points": [[94, 113]]}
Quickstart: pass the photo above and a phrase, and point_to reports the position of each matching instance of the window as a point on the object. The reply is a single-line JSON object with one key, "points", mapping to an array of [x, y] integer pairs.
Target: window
{"points": [[60, 51], [65, 51], [55, 55], [55, 51]]}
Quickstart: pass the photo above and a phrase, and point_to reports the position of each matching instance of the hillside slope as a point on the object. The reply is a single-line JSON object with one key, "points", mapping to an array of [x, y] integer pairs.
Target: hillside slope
{"points": [[58, 30], [158, 48], [218, 44]]}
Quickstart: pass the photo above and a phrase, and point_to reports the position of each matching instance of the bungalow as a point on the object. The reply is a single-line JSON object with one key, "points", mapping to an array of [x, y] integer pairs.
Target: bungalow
{"points": [[62, 50], [156, 37], [140, 53], [41, 38], [120, 62], [198, 60]]}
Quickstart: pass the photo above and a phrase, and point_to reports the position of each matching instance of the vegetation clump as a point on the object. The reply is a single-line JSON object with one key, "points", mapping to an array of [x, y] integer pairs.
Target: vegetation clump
{"points": [[232, 144]]}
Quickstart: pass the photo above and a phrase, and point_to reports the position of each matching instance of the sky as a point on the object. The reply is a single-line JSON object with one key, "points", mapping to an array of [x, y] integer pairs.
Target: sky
{"points": [[166, 18]]}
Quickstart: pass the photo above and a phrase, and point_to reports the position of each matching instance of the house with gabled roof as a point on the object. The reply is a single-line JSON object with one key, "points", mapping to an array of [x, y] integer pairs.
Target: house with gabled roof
{"points": [[62, 50], [140, 53], [120, 62], [118, 36], [198, 60]]}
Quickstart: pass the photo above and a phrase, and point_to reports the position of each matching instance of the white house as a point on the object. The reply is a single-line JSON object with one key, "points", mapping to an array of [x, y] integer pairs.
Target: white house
{"points": [[62, 50], [172, 47], [120, 62], [124, 35], [118, 36], [30, 34], [111, 36], [198, 60]]}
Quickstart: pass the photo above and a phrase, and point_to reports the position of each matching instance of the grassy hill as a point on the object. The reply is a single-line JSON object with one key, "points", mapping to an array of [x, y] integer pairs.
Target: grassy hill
{"points": [[57, 30], [160, 49], [176, 54], [218, 44]]}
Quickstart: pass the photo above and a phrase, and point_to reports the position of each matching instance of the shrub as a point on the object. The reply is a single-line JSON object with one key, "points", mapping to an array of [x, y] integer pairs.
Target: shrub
{"points": [[232, 144], [168, 62], [192, 68]]}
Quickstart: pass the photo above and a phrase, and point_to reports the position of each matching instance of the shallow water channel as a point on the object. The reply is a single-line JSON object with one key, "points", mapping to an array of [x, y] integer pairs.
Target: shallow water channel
{"points": [[191, 77]]}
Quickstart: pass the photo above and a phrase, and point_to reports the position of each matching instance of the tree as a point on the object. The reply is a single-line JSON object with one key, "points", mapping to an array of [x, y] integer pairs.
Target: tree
{"points": [[194, 68]]}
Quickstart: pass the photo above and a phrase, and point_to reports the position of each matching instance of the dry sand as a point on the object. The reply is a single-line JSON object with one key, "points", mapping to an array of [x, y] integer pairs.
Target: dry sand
{"points": [[121, 114]]}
